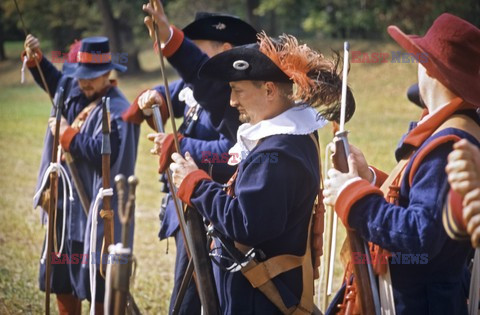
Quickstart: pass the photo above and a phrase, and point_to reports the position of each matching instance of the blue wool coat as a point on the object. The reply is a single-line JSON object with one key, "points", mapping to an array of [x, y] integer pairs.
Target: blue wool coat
{"points": [[274, 194], [85, 147], [202, 142], [433, 283]]}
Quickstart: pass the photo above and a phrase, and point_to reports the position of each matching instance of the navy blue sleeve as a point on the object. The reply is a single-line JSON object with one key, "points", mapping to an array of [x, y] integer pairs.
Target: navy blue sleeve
{"points": [[260, 209], [90, 148], [413, 228], [206, 152], [52, 75], [175, 88], [213, 96]]}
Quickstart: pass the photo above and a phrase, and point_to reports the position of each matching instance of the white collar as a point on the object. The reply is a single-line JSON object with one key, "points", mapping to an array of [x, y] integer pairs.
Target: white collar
{"points": [[299, 120]]}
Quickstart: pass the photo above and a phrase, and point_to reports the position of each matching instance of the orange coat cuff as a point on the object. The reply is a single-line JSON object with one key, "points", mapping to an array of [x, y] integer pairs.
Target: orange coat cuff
{"points": [[186, 189], [31, 62], [350, 195], [174, 43], [67, 138]]}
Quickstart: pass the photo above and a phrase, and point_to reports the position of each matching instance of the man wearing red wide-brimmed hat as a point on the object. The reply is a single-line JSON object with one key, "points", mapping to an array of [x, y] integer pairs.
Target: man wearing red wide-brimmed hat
{"points": [[405, 215], [85, 81]]}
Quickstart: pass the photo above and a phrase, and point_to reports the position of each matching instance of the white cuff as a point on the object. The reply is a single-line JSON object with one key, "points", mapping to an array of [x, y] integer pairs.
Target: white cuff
{"points": [[374, 180], [162, 46]]}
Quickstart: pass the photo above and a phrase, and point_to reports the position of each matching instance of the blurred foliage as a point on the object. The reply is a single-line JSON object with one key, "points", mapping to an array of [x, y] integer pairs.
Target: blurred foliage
{"points": [[61, 22]]}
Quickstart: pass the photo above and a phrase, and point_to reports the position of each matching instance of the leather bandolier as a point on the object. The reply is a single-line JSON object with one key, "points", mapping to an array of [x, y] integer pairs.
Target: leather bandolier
{"points": [[261, 273]]}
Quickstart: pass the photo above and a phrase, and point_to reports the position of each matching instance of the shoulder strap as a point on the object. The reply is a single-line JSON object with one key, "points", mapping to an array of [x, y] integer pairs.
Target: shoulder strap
{"points": [[260, 274]]}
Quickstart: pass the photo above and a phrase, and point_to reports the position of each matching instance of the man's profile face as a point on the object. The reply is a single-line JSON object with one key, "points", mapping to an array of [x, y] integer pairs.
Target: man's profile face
{"points": [[92, 88], [247, 98]]}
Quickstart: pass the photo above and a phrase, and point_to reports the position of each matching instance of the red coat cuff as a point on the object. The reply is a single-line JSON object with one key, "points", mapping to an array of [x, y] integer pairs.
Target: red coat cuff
{"points": [[135, 115], [350, 195], [168, 148], [67, 138], [381, 176], [174, 43], [187, 188], [31, 62]]}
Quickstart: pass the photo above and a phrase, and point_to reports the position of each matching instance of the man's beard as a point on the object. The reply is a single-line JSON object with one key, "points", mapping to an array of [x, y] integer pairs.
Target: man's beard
{"points": [[91, 97], [244, 118]]}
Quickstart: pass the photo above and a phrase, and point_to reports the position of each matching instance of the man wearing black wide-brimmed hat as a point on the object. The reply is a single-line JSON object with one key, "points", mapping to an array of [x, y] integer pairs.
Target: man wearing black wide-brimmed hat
{"points": [[266, 210], [208, 35], [408, 214], [85, 83]]}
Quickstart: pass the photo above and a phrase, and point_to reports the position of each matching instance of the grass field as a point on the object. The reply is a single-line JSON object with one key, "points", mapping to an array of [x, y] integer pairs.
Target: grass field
{"points": [[382, 116]]}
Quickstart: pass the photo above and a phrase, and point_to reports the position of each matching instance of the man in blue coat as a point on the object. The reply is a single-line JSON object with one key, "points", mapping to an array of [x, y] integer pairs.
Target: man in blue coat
{"points": [[81, 137], [405, 216], [209, 34], [266, 210]]}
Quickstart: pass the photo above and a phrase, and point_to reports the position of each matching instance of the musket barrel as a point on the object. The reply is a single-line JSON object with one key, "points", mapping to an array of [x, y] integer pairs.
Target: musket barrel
{"points": [[52, 207], [106, 213]]}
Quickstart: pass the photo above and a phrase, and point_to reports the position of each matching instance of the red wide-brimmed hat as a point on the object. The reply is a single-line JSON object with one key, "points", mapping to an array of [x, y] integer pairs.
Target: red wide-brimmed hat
{"points": [[452, 50]]}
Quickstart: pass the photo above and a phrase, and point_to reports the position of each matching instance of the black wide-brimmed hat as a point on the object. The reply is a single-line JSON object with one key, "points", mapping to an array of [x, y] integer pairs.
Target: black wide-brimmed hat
{"points": [[221, 28], [242, 63], [94, 59]]}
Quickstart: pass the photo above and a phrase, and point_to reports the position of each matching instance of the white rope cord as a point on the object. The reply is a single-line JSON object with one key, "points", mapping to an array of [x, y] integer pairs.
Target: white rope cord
{"points": [[93, 245], [117, 249], [474, 285], [24, 65], [62, 173]]}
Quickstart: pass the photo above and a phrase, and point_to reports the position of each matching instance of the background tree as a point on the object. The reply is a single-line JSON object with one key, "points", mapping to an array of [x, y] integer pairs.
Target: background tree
{"points": [[60, 22]]}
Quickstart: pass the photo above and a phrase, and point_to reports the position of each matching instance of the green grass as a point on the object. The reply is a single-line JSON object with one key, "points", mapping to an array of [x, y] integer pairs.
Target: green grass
{"points": [[382, 116]]}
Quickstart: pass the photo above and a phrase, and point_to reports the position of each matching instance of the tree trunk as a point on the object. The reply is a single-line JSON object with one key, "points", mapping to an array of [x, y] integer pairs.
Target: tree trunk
{"points": [[118, 35], [109, 25], [2, 39]]}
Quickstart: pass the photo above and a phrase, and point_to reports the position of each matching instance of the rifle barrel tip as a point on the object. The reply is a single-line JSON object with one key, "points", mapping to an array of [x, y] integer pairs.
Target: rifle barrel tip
{"points": [[346, 45]]}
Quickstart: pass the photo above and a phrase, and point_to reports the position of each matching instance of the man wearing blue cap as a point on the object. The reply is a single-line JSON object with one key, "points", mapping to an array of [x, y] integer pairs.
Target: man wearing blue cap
{"points": [[211, 33], [81, 136]]}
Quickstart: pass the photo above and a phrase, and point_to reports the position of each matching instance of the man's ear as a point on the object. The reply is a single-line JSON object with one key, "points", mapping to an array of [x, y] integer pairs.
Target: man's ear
{"points": [[271, 89], [226, 46]]}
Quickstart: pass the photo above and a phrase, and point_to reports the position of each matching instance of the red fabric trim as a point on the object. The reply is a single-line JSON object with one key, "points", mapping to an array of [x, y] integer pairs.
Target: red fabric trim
{"points": [[168, 148], [381, 176], [350, 195], [456, 208], [174, 43], [31, 62], [67, 137], [86, 57], [425, 151], [419, 134], [187, 188]]}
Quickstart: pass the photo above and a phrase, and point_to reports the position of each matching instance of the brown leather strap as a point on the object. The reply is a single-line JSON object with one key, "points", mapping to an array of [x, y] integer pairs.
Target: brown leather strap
{"points": [[260, 274]]}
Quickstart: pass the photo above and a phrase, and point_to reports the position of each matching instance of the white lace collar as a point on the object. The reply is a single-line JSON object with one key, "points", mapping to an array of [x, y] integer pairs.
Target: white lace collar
{"points": [[299, 120]]}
